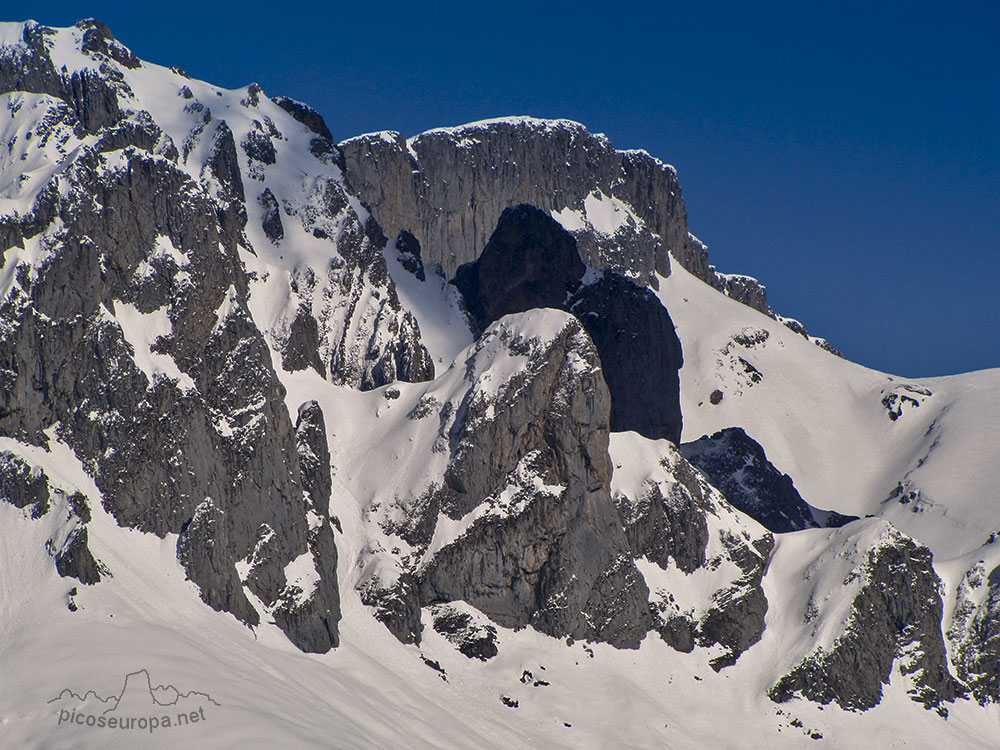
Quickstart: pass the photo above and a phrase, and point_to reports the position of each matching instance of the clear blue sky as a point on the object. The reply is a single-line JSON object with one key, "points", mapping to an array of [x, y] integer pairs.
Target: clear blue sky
{"points": [[848, 155]]}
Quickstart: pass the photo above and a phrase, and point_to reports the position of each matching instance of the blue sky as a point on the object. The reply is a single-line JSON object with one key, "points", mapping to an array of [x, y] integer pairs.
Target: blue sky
{"points": [[846, 155]]}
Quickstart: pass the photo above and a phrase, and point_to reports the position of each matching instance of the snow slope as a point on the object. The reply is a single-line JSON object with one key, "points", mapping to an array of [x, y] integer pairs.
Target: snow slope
{"points": [[822, 420]]}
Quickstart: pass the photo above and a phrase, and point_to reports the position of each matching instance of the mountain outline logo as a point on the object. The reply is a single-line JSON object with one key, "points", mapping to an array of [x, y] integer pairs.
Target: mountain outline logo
{"points": [[139, 705]]}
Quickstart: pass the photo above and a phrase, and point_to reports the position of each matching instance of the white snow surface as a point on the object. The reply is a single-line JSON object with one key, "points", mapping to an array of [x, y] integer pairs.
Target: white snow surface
{"points": [[141, 330], [821, 420], [532, 122], [600, 213]]}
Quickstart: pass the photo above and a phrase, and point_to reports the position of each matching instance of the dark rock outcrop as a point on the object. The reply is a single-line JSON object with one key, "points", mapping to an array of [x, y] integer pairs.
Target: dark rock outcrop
{"points": [[21, 486], [975, 632], [322, 146], [532, 262], [302, 346], [310, 618], [28, 487], [258, 147], [274, 230], [736, 464], [473, 639], [97, 37], [894, 617], [305, 114], [75, 559], [396, 605], [314, 456], [745, 289], [409, 254], [736, 617]]}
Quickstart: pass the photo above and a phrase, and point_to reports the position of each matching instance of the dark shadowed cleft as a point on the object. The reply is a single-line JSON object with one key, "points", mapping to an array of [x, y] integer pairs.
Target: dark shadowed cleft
{"points": [[532, 262]]}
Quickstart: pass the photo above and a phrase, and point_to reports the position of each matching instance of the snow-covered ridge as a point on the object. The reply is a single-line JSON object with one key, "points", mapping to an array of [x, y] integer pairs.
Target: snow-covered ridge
{"points": [[535, 123], [644, 154], [12, 32]]}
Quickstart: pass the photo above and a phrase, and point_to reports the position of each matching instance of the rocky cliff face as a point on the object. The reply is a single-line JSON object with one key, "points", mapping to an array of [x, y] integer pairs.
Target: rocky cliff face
{"points": [[449, 186], [679, 526], [736, 464], [894, 619], [519, 521], [531, 261], [144, 289], [974, 634]]}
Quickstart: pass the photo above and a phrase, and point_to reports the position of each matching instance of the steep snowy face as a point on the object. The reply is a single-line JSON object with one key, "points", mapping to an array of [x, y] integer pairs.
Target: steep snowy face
{"points": [[913, 451], [161, 241]]}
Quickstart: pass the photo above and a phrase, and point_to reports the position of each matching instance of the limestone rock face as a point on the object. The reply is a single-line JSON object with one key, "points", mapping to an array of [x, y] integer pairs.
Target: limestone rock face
{"points": [[531, 261], [736, 464], [561, 563], [91, 92], [679, 525], [518, 521], [363, 337], [894, 618], [975, 631], [448, 187], [126, 334]]}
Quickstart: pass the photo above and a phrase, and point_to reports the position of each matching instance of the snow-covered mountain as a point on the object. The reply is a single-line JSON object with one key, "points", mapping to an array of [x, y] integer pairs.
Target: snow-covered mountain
{"points": [[450, 441]]}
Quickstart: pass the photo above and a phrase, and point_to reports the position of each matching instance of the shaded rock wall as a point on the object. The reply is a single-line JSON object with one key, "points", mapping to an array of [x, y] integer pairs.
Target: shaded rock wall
{"points": [[531, 261]]}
